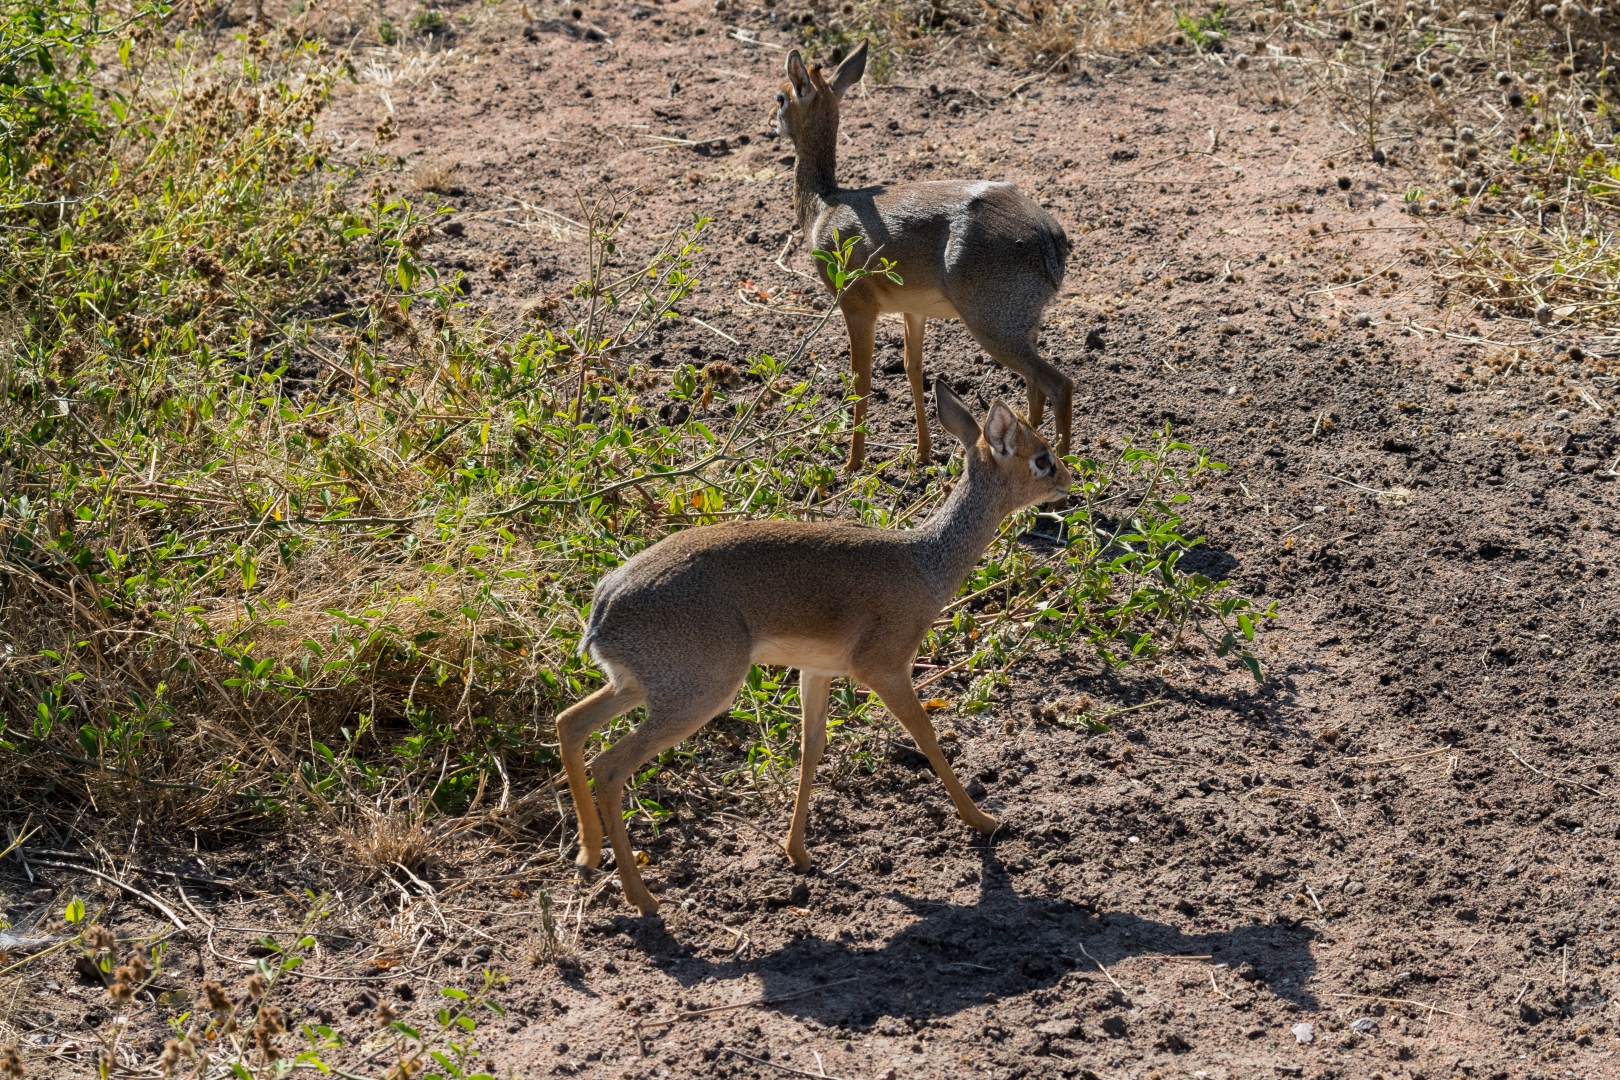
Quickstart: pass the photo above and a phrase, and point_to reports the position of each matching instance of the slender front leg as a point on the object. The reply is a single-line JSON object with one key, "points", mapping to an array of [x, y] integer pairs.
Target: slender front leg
{"points": [[862, 325], [915, 325], [901, 701], [575, 725], [813, 691]]}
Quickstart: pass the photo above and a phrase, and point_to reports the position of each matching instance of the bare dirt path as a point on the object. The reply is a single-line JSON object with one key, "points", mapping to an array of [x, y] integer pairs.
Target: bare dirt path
{"points": [[1396, 858]]}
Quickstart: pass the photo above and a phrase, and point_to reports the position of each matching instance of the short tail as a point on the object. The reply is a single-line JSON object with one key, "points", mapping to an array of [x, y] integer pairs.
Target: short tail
{"points": [[592, 625], [1055, 248]]}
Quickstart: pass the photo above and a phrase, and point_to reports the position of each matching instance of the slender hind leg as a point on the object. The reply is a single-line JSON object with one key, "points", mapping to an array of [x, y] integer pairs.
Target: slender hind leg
{"points": [[813, 691], [666, 725], [575, 725], [1037, 403], [861, 322], [1014, 349], [915, 327]]}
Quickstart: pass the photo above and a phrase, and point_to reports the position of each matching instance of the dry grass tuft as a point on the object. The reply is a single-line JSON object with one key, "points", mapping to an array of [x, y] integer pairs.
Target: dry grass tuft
{"points": [[435, 177], [380, 843]]}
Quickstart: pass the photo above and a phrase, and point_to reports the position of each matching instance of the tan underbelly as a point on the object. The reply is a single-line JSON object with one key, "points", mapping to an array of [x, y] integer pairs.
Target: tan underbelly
{"points": [[930, 303], [806, 654]]}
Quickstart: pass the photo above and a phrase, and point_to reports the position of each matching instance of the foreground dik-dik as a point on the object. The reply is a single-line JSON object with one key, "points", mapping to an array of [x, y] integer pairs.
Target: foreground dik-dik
{"points": [[973, 250], [677, 626]]}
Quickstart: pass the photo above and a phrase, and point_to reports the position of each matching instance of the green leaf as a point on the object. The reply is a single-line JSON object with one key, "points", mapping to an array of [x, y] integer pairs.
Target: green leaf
{"points": [[73, 914]]}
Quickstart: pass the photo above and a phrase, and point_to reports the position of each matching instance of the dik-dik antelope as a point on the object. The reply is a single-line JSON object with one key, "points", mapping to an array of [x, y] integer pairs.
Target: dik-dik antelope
{"points": [[976, 250], [677, 626]]}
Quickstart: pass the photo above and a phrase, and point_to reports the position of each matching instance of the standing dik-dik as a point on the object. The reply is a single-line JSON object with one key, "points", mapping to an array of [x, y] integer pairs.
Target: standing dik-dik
{"points": [[677, 626], [974, 250]]}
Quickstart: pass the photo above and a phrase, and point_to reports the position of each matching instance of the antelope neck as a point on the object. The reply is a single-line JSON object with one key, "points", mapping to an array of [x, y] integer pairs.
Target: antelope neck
{"points": [[814, 179], [948, 545]]}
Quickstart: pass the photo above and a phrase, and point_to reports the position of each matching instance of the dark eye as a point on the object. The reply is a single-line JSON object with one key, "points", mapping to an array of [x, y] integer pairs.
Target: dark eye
{"points": [[781, 99], [1043, 463]]}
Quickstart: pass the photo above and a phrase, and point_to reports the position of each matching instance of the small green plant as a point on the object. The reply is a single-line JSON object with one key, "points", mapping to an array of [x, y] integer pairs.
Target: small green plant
{"points": [[838, 261], [386, 32], [1203, 29], [546, 944], [427, 22]]}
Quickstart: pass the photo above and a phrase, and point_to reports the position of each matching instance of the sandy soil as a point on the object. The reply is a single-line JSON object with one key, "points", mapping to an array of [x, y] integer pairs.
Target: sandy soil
{"points": [[1395, 859]]}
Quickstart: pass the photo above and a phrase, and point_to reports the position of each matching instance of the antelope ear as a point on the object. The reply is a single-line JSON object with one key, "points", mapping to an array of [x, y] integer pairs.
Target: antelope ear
{"points": [[850, 71], [953, 415], [1001, 429], [799, 76]]}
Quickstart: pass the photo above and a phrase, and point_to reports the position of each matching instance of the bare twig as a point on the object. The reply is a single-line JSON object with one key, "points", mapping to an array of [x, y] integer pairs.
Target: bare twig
{"points": [[167, 911], [1100, 968], [1555, 779], [783, 1068], [694, 1014], [1402, 1001]]}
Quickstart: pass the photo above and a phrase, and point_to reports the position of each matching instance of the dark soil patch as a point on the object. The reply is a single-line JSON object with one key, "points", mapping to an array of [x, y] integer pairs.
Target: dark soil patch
{"points": [[1405, 839]]}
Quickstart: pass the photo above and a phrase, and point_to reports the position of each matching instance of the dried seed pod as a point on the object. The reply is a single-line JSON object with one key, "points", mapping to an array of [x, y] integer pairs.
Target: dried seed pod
{"points": [[272, 1020], [214, 994], [1344, 183]]}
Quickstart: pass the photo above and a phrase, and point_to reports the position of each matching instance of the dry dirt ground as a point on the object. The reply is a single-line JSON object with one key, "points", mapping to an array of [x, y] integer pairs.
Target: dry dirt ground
{"points": [[1396, 859]]}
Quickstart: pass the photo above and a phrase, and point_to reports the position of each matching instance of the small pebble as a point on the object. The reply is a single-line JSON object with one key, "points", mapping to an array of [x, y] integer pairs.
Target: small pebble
{"points": [[1304, 1034], [1362, 320], [1365, 1026]]}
